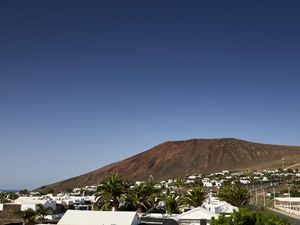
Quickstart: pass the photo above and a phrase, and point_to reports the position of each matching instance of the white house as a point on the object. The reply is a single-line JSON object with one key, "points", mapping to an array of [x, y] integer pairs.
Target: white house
{"points": [[217, 206], [196, 214], [32, 202], [78, 217], [64, 200], [244, 181], [192, 177]]}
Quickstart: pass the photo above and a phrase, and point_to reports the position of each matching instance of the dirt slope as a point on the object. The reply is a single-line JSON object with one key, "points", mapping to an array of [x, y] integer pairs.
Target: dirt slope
{"points": [[175, 159]]}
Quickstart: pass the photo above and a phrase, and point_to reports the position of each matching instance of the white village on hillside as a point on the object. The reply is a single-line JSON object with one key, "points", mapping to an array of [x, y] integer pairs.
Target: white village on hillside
{"points": [[190, 201]]}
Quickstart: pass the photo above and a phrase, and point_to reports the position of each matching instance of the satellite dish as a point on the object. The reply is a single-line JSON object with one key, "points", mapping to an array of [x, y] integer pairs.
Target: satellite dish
{"points": [[161, 204]]}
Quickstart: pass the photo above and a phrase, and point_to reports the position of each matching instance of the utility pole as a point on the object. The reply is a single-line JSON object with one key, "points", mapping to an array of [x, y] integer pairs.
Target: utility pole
{"points": [[290, 198], [256, 197], [274, 203], [264, 197]]}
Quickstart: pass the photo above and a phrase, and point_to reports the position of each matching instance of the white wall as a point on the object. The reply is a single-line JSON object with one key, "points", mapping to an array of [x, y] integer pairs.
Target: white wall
{"points": [[28, 206], [47, 204]]}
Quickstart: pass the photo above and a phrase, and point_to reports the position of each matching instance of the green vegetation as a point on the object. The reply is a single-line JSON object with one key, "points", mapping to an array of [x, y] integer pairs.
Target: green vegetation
{"points": [[235, 195], [115, 191], [24, 192], [42, 212], [110, 192], [247, 217], [2, 198], [172, 201], [51, 192], [142, 196], [195, 197], [293, 192], [68, 190], [180, 185], [28, 216], [32, 217], [12, 195]]}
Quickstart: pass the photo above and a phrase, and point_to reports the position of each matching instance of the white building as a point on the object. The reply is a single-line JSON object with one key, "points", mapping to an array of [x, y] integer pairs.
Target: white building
{"points": [[244, 181], [288, 204], [77, 217], [195, 215], [215, 205], [32, 202]]}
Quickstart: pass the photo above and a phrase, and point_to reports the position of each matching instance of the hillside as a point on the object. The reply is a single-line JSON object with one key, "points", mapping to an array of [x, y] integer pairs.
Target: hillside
{"points": [[175, 159]]}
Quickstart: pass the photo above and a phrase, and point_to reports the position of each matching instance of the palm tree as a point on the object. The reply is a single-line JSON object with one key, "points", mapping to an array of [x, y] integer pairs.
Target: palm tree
{"points": [[12, 195], [234, 195], [197, 182], [142, 196], [251, 177], [172, 202], [27, 215], [2, 198], [180, 185], [42, 212], [195, 197], [24, 192], [111, 190]]}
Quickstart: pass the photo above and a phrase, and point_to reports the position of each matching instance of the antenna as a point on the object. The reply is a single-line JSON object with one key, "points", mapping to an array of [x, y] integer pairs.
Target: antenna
{"points": [[282, 162]]}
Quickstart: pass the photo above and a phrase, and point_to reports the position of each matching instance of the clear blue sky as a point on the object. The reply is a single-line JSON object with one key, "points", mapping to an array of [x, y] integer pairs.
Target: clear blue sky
{"points": [[86, 83]]}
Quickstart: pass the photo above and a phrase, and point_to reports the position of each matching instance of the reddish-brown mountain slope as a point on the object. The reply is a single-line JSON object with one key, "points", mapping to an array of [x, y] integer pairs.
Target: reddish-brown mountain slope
{"points": [[175, 159]]}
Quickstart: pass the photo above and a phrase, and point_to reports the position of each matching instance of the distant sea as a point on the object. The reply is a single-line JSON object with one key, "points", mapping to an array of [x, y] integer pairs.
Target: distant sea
{"points": [[8, 190]]}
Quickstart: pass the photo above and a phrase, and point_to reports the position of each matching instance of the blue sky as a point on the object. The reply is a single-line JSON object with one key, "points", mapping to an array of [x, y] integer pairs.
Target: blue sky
{"points": [[87, 83]]}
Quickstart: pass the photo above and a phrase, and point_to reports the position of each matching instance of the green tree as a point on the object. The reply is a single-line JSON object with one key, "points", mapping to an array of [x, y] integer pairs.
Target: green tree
{"points": [[197, 182], [142, 196], [27, 215], [247, 217], [172, 202], [180, 185], [42, 212], [234, 195], [68, 190], [251, 178], [12, 195], [195, 197], [111, 190], [51, 191], [3, 197], [24, 192]]}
